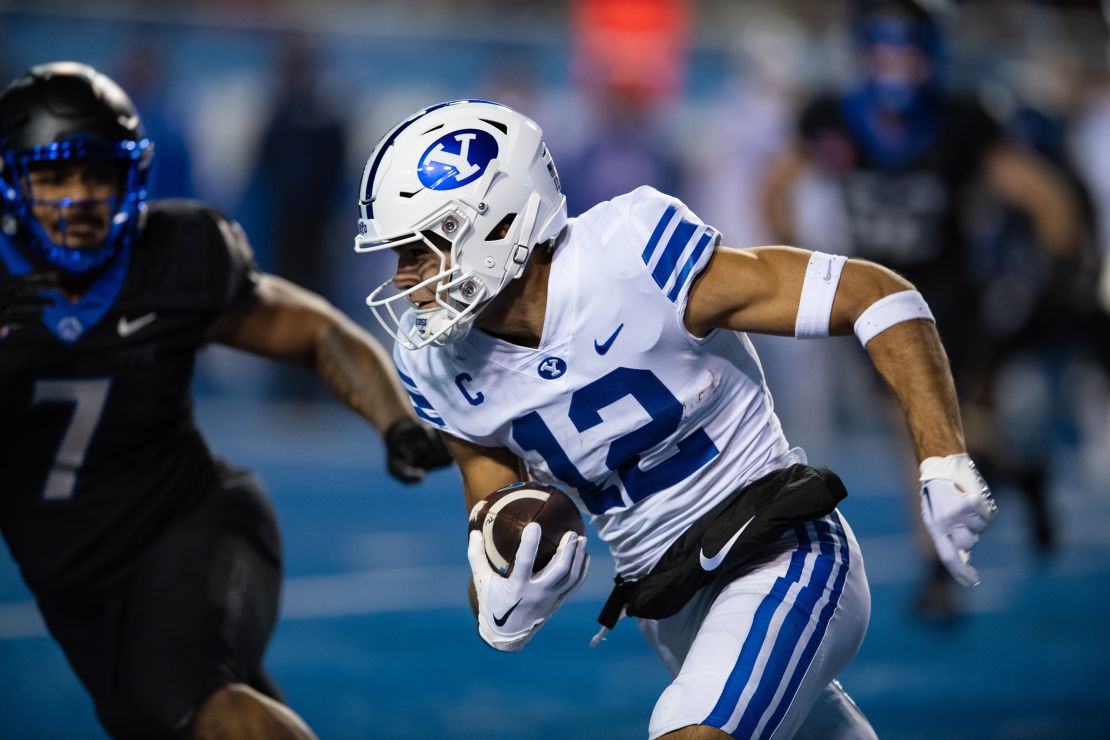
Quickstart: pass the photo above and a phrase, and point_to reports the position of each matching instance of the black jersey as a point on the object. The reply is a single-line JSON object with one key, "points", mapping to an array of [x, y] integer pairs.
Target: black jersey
{"points": [[903, 210], [906, 206], [98, 446]]}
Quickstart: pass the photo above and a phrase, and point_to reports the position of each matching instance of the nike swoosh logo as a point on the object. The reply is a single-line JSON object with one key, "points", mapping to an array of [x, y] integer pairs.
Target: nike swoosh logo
{"points": [[501, 622], [604, 346], [711, 564], [127, 328]]}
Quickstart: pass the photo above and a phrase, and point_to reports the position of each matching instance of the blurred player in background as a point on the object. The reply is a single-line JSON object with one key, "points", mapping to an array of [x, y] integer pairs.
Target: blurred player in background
{"points": [[155, 565], [607, 354], [907, 157]]}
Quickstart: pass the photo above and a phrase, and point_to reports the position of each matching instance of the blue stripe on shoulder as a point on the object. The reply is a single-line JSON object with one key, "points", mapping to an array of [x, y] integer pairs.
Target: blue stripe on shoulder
{"points": [[690, 262], [659, 229], [422, 406], [675, 246], [406, 379]]}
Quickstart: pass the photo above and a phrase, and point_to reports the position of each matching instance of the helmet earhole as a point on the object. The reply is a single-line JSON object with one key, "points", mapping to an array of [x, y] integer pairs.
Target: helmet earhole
{"points": [[502, 228]]}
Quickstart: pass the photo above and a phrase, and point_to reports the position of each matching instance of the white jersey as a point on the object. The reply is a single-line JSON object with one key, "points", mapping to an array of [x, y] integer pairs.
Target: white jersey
{"points": [[645, 424]]}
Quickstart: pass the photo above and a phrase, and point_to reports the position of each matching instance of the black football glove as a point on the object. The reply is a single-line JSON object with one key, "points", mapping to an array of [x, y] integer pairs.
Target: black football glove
{"points": [[411, 448], [21, 299]]}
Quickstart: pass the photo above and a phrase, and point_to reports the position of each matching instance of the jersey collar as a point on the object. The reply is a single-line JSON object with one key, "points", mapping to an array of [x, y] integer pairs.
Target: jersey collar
{"points": [[71, 320]]}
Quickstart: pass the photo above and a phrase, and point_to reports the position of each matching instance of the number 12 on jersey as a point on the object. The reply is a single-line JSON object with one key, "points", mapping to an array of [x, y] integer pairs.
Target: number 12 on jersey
{"points": [[623, 456]]}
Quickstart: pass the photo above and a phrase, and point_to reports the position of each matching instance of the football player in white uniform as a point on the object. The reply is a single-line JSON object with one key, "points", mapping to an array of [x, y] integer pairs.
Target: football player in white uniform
{"points": [[607, 354]]}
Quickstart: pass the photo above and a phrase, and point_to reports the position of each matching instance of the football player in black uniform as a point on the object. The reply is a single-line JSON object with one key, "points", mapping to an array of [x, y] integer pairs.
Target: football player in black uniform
{"points": [[155, 565], [907, 156]]}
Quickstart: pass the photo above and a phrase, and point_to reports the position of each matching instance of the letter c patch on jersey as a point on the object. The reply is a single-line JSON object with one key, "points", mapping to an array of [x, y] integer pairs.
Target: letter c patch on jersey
{"points": [[474, 400]]}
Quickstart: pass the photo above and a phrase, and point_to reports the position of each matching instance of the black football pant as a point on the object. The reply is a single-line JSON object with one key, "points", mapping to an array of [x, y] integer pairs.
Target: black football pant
{"points": [[195, 615]]}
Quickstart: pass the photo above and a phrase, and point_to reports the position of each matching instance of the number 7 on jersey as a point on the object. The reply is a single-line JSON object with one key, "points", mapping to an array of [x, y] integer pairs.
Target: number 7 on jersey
{"points": [[88, 397]]}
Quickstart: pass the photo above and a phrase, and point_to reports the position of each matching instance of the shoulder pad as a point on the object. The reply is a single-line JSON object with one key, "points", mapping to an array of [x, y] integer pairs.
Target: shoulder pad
{"points": [[194, 245]]}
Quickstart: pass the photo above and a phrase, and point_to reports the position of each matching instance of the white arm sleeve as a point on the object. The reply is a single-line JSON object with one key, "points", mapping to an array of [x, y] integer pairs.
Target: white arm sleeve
{"points": [[884, 313], [818, 291]]}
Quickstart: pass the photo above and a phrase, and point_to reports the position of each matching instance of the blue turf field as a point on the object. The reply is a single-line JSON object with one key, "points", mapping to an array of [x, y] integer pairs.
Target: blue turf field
{"points": [[376, 640]]}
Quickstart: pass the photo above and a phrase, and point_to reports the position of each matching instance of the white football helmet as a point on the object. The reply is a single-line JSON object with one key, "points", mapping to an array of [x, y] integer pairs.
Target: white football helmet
{"points": [[477, 174]]}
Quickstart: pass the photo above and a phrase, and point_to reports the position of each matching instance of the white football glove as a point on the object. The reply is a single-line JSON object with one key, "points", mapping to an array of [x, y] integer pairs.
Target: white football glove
{"points": [[956, 505], [512, 609]]}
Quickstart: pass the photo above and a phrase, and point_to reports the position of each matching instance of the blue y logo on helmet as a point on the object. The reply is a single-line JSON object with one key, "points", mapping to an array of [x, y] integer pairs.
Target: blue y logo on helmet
{"points": [[456, 159]]}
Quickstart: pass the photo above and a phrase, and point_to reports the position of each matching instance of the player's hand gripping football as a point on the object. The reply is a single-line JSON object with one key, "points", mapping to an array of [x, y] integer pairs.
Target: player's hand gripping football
{"points": [[511, 609], [411, 448], [956, 505], [21, 299]]}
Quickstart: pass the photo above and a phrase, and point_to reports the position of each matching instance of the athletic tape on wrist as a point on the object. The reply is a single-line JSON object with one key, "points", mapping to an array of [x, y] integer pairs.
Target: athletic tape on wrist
{"points": [[818, 290], [884, 313]]}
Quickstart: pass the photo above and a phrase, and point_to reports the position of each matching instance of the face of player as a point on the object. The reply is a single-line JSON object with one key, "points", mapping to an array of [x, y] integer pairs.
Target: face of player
{"points": [[74, 201], [897, 64], [415, 264], [418, 262]]}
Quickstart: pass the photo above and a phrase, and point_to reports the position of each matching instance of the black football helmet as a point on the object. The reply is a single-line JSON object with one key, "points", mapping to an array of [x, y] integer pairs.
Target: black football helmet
{"points": [[900, 23], [916, 22], [69, 112]]}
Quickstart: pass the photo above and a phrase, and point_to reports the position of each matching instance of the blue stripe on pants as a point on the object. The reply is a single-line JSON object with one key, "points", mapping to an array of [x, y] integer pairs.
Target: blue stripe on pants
{"points": [[818, 634], [790, 634], [753, 643]]}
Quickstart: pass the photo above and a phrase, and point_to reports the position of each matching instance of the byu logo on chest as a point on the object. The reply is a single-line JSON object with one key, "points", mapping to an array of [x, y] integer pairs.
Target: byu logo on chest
{"points": [[456, 159], [552, 368]]}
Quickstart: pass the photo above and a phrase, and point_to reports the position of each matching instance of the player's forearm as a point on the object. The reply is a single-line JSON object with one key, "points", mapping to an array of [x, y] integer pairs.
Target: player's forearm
{"points": [[1037, 188], [354, 366], [1058, 226], [1055, 217], [778, 195], [906, 351], [913, 363]]}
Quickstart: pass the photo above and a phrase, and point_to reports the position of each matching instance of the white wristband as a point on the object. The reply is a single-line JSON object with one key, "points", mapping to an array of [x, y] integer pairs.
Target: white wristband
{"points": [[818, 291], [884, 313]]}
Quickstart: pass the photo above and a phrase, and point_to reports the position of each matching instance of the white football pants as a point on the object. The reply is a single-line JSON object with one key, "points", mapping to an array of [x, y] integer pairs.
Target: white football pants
{"points": [[757, 656]]}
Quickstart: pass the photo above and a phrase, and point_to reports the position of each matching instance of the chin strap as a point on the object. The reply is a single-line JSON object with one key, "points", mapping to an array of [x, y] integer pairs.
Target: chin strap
{"points": [[528, 221], [522, 244]]}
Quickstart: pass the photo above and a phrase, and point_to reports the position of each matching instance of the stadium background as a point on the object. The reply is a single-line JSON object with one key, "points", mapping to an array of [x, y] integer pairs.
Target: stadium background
{"points": [[268, 109]]}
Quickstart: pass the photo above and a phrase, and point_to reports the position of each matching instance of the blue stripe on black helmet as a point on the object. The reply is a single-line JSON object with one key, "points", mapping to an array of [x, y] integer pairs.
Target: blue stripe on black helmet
{"points": [[69, 112]]}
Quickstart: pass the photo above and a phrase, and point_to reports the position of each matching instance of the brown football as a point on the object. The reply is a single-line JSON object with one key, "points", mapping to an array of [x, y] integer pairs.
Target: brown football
{"points": [[503, 515]]}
